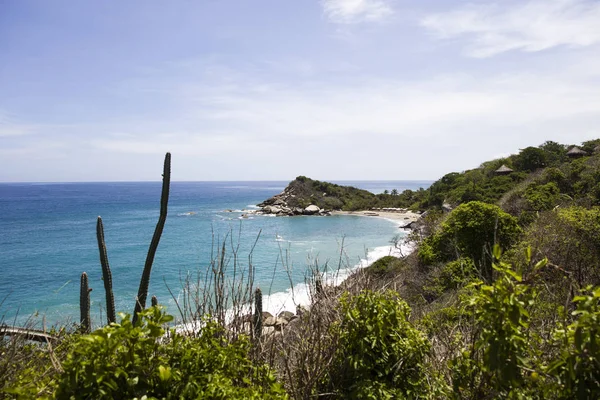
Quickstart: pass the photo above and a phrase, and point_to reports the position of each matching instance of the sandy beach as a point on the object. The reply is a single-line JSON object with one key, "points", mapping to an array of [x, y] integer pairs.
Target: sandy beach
{"points": [[403, 217]]}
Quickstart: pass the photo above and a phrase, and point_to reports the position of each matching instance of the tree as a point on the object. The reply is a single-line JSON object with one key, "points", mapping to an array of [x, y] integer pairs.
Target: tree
{"points": [[555, 152], [394, 192], [386, 191], [530, 159]]}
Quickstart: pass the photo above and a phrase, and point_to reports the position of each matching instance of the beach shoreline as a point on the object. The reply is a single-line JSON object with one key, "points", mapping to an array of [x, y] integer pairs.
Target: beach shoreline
{"points": [[404, 217]]}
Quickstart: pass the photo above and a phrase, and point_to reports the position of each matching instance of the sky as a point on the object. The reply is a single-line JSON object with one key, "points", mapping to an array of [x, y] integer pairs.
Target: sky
{"points": [[272, 89]]}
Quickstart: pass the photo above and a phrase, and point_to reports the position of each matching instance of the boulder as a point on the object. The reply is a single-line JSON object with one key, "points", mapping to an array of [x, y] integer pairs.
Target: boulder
{"points": [[312, 209], [266, 315], [270, 321], [272, 209], [287, 315], [293, 325]]}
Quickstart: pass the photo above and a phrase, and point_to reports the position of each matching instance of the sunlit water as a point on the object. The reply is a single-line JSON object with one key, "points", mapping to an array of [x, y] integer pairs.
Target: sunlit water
{"points": [[48, 238]]}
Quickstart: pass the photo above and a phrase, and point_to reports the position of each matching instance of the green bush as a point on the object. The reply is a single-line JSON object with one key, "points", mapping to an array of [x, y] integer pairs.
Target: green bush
{"points": [[542, 197], [578, 366], [126, 361], [454, 275], [381, 355], [500, 361], [568, 237], [385, 266], [471, 230]]}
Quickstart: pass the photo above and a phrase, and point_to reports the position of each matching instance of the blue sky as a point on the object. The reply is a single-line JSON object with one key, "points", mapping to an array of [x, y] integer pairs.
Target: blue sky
{"points": [[268, 90]]}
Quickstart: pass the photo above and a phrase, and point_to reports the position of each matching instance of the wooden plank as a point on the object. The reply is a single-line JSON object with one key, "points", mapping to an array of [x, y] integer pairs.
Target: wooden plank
{"points": [[29, 334]]}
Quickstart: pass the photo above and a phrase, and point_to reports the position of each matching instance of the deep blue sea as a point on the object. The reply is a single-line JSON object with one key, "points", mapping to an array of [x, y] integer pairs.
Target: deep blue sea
{"points": [[48, 238]]}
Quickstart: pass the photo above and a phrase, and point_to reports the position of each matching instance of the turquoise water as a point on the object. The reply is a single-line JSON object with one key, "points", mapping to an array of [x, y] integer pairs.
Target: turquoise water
{"points": [[47, 239]]}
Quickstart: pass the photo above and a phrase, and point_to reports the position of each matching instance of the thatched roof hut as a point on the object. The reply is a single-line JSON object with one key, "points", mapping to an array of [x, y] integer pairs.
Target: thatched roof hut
{"points": [[503, 170], [576, 152]]}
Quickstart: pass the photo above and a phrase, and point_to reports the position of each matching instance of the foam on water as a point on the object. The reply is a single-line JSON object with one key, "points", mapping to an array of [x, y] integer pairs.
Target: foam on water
{"points": [[300, 294]]}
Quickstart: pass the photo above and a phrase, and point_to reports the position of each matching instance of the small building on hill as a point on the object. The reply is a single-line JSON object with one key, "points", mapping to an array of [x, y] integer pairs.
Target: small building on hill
{"points": [[576, 152], [503, 170]]}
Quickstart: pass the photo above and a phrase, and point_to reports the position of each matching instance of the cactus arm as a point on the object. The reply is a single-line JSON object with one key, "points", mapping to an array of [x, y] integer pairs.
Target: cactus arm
{"points": [[106, 274], [84, 304], [258, 314], [164, 201]]}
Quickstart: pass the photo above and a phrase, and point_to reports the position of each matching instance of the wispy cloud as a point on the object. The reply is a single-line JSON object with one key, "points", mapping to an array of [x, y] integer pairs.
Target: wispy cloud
{"points": [[527, 26], [249, 115], [9, 126], [356, 11]]}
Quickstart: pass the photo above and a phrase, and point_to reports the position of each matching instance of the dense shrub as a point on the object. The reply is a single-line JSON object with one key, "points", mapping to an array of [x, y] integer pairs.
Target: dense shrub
{"points": [[126, 361], [542, 197], [388, 265], [381, 355], [453, 275], [498, 363], [578, 364], [569, 238], [471, 230]]}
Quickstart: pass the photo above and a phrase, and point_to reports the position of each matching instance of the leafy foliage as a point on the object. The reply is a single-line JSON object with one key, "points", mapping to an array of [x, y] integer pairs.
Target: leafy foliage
{"points": [[497, 363], [125, 361], [453, 275], [578, 365], [388, 265], [381, 355], [471, 230]]}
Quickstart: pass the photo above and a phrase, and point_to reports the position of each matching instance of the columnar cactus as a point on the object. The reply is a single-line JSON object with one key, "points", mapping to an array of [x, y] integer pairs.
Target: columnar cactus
{"points": [[84, 304], [164, 201], [258, 314], [106, 274]]}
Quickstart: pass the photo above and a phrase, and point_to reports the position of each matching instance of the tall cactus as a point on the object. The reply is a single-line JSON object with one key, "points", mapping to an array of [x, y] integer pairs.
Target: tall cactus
{"points": [[258, 314], [154, 301], [106, 274], [140, 303], [84, 304]]}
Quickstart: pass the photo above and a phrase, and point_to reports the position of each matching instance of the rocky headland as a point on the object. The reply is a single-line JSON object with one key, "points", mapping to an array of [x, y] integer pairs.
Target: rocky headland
{"points": [[305, 196]]}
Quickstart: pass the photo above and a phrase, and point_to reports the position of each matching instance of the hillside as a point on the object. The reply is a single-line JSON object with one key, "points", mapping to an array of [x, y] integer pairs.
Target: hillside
{"points": [[499, 300], [303, 192]]}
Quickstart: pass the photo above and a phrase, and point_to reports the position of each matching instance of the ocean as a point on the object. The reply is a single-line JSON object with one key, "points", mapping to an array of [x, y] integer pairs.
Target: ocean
{"points": [[48, 238]]}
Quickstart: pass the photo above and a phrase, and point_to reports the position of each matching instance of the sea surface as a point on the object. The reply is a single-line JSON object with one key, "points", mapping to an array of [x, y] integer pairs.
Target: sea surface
{"points": [[48, 238]]}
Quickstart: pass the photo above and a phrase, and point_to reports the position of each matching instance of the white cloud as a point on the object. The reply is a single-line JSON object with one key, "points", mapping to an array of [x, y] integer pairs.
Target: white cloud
{"points": [[250, 116], [527, 26], [355, 11]]}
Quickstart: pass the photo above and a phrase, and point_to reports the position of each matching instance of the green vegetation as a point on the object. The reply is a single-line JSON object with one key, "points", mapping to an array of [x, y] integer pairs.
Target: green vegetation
{"points": [[327, 195], [470, 230], [380, 354], [500, 300], [126, 361]]}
